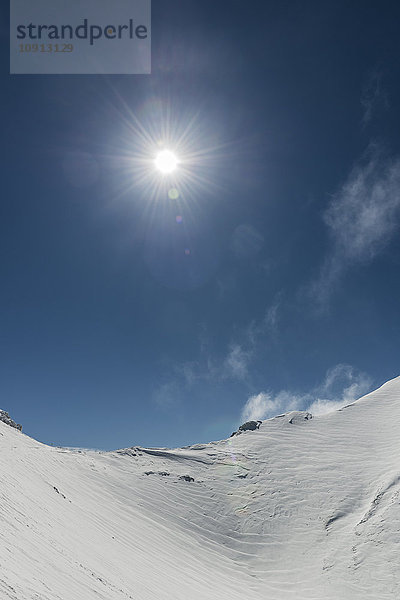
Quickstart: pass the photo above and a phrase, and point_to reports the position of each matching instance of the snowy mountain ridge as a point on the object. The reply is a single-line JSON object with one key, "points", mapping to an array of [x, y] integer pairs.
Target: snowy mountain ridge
{"points": [[299, 509]]}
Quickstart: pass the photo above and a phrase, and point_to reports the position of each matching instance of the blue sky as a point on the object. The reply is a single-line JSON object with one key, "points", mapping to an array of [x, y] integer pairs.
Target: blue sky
{"points": [[278, 285]]}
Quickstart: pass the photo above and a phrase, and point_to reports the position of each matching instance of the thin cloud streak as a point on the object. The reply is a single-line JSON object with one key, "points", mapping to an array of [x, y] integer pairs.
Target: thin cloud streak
{"points": [[233, 366], [236, 363], [374, 97], [362, 219]]}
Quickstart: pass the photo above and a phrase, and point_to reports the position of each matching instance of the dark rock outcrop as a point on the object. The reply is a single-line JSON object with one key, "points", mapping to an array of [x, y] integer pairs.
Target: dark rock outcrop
{"points": [[5, 418], [186, 478], [250, 426]]}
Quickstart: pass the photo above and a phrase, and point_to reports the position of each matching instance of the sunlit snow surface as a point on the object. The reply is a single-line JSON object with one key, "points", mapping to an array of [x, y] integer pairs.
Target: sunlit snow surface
{"points": [[308, 509]]}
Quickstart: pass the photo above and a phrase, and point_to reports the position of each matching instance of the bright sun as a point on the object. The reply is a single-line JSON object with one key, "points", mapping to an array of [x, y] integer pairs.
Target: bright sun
{"points": [[166, 162]]}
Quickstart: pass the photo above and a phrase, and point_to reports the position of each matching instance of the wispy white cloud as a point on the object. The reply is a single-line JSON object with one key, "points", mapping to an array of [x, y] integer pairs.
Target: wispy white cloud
{"points": [[236, 363], [272, 314], [342, 385], [374, 96], [257, 330], [167, 394], [233, 365], [362, 219], [246, 241], [364, 214], [226, 285]]}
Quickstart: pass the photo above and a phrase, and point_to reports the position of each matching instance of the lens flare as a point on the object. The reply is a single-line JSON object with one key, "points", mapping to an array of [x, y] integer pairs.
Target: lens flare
{"points": [[173, 194], [166, 153]]}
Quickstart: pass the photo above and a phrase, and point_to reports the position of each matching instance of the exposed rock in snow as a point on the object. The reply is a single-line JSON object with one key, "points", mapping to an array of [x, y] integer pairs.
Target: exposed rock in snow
{"points": [[186, 478], [5, 417], [298, 417], [250, 426]]}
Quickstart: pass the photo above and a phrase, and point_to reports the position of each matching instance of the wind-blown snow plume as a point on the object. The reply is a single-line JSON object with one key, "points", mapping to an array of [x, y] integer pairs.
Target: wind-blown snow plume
{"points": [[342, 385], [258, 407]]}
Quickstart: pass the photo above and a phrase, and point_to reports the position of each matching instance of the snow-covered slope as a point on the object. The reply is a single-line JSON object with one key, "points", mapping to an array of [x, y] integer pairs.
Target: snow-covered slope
{"points": [[299, 509]]}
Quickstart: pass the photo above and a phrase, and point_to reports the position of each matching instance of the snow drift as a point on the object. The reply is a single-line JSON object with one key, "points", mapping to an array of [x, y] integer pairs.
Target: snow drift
{"points": [[299, 509]]}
